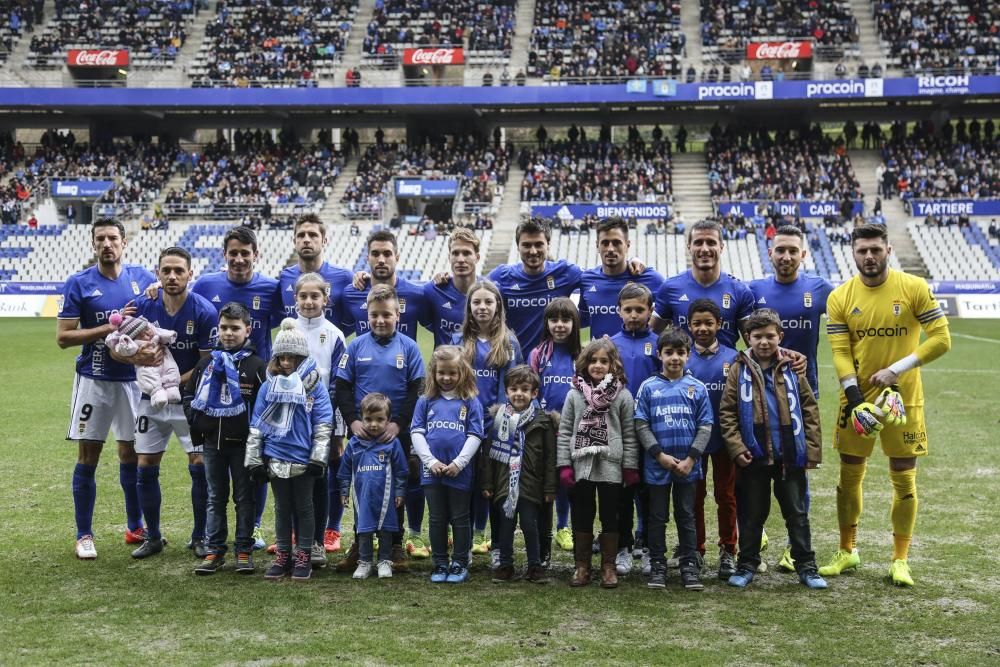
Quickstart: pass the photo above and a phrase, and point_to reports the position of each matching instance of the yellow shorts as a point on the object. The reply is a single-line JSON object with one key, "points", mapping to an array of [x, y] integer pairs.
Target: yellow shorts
{"points": [[901, 442]]}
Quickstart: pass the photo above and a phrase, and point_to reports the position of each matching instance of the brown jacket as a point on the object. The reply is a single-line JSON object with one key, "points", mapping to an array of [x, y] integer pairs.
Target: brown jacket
{"points": [[538, 464]]}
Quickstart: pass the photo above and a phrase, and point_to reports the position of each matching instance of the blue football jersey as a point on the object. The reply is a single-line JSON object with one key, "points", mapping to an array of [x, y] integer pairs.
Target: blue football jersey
{"points": [[490, 381], [674, 410], [259, 295], [447, 307], [638, 353], [599, 297], [712, 369], [91, 298], [728, 292], [445, 424], [387, 366], [196, 324], [525, 297], [337, 277], [413, 310], [556, 375]]}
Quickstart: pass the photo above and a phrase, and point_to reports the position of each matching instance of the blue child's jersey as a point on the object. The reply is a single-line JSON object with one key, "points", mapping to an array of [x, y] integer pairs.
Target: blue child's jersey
{"points": [[638, 353], [731, 295], [259, 295], [674, 410], [556, 376], [525, 297], [337, 277], [447, 308], [490, 381], [800, 304], [413, 310], [445, 424], [599, 297], [196, 324], [91, 298], [378, 471], [712, 369], [386, 366]]}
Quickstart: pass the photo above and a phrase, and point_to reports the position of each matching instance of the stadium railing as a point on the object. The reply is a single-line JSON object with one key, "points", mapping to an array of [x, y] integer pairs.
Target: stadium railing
{"points": [[236, 211]]}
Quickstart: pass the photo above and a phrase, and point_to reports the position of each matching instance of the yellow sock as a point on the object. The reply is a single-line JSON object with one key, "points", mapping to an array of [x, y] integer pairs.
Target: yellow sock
{"points": [[904, 510], [849, 502]]}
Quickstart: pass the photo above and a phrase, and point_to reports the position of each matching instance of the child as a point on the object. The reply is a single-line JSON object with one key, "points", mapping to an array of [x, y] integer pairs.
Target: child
{"points": [[710, 362], [326, 346], [673, 422], [597, 454], [377, 473], [446, 431], [519, 473], [554, 360], [289, 443], [216, 399], [161, 383], [386, 362], [491, 349], [637, 346], [770, 424]]}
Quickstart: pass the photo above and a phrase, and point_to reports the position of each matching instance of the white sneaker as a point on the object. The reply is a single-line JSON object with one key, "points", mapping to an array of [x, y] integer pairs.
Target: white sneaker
{"points": [[494, 559], [385, 569], [623, 562], [364, 569], [645, 564], [85, 549]]}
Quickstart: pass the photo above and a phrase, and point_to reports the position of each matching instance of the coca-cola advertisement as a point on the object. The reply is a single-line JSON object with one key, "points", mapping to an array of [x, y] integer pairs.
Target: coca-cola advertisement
{"points": [[779, 50], [433, 55], [97, 58]]}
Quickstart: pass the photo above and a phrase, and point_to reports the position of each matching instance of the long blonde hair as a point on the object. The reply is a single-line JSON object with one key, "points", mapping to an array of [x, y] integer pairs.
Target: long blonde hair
{"points": [[465, 388], [497, 334]]}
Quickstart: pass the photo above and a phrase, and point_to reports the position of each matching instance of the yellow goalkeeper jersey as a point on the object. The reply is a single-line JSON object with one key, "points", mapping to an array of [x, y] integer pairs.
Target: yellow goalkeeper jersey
{"points": [[870, 328]]}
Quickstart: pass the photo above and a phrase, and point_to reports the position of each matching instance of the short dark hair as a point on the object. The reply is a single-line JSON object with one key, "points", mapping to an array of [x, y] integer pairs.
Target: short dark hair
{"points": [[705, 225], [789, 230], [869, 231], [309, 219], [381, 235], [382, 293], [107, 222], [609, 224], [175, 251], [762, 317], [376, 402], [532, 226], [241, 234], [522, 374], [235, 311], [704, 306], [635, 291], [673, 337]]}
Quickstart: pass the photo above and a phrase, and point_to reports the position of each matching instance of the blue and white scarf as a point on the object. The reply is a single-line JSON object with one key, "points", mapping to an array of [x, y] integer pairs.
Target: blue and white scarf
{"points": [[508, 447], [753, 426], [282, 395], [218, 393]]}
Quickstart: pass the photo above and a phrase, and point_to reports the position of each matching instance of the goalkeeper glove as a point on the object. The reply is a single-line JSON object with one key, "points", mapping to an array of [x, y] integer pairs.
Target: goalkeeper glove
{"points": [[864, 416], [890, 401]]}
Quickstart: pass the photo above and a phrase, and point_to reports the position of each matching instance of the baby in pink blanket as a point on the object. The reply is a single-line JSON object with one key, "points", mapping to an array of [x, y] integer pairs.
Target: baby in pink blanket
{"points": [[161, 383]]}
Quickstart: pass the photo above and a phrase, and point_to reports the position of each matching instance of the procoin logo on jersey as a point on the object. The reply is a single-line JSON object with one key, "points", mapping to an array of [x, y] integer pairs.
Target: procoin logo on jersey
{"points": [[648, 349], [189, 328], [399, 361], [550, 282], [807, 300], [135, 288], [402, 305], [727, 300], [256, 303]]}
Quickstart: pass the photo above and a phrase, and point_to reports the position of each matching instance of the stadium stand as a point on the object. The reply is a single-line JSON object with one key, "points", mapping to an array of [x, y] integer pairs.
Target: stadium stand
{"points": [[152, 30], [596, 171], [49, 253], [365, 195], [19, 17], [254, 43], [751, 165], [956, 252], [921, 35], [937, 167], [607, 41]]}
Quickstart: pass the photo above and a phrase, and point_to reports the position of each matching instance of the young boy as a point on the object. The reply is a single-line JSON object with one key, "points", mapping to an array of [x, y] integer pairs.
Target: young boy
{"points": [[637, 346], [770, 423], [218, 402], [386, 362], [674, 423], [374, 470], [710, 362], [518, 472]]}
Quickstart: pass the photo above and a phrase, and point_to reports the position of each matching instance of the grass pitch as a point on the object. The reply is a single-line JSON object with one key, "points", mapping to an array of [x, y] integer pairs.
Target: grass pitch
{"points": [[116, 610]]}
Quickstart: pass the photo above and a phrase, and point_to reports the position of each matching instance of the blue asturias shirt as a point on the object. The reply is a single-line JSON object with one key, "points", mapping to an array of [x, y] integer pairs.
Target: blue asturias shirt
{"points": [[599, 297], [674, 410], [91, 298], [728, 292], [526, 296], [259, 295]]}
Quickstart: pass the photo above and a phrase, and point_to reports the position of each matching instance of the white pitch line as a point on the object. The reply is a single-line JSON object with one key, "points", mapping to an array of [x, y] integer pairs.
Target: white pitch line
{"points": [[970, 337]]}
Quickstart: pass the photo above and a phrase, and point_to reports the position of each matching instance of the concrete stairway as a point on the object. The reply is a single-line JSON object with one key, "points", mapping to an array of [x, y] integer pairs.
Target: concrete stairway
{"points": [[691, 27], [868, 37], [692, 198], [506, 221], [177, 75], [330, 213], [356, 40], [521, 45]]}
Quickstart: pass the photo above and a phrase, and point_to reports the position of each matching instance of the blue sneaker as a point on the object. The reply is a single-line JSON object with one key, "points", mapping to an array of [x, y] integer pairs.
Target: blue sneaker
{"points": [[439, 574], [742, 578], [811, 579], [457, 574]]}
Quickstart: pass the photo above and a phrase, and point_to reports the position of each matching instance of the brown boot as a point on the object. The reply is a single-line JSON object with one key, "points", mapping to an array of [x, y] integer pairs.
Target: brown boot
{"points": [[350, 561], [582, 550], [609, 549]]}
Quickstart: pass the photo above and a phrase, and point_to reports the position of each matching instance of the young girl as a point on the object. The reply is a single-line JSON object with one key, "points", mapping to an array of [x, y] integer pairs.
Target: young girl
{"points": [[553, 360], [289, 443], [446, 431], [326, 346], [491, 349], [597, 452]]}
